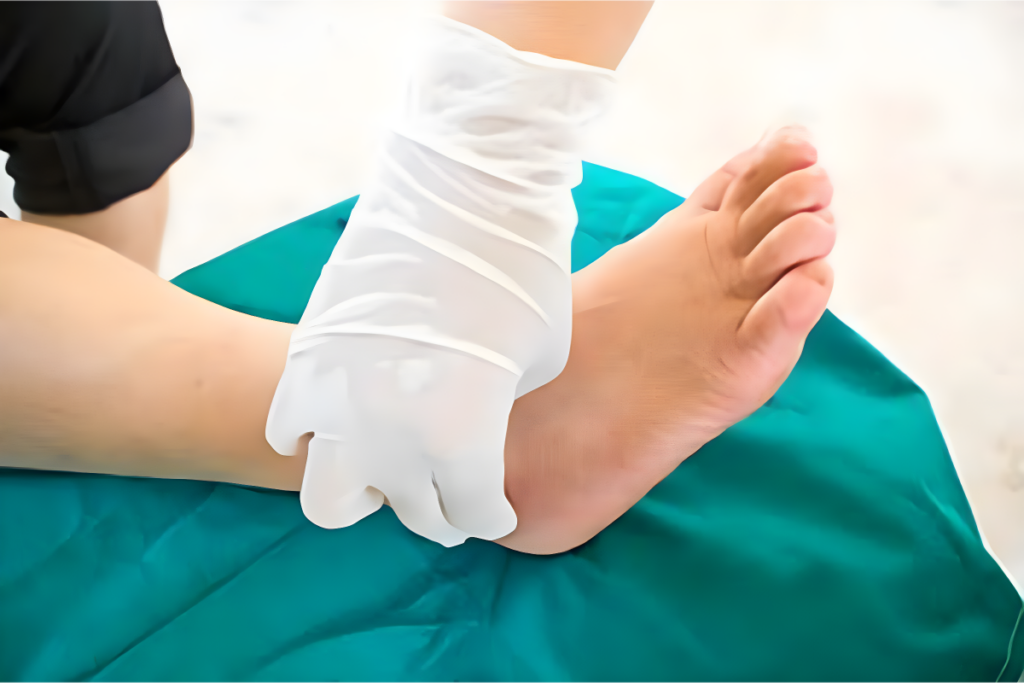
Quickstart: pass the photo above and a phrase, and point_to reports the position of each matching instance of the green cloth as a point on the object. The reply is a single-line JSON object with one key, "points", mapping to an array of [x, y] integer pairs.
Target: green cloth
{"points": [[826, 537]]}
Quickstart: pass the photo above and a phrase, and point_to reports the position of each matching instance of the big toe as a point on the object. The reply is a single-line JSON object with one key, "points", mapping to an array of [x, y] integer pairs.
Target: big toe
{"points": [[777, 324]]}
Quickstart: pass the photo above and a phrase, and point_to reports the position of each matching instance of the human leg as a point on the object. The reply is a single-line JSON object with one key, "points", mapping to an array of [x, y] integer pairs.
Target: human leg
{"points": [[93, 111], [110, 369], [107, 368]]}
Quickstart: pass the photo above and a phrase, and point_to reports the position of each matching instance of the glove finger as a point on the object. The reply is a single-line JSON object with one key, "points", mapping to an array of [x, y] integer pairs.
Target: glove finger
{"points": [[415, 501], [334, 492], [312, 396], [469, 471]]}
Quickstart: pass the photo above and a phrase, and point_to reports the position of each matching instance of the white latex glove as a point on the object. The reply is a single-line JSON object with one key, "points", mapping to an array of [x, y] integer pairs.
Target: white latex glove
{"points": [[447, 296]]}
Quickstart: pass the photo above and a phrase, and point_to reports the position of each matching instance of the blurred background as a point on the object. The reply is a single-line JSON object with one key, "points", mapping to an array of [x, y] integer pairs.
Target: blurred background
{"points": [[917, 109]]}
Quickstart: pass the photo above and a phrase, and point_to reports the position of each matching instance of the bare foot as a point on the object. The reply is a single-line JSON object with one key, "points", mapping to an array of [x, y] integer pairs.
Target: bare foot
{"points": [[678, 334]]}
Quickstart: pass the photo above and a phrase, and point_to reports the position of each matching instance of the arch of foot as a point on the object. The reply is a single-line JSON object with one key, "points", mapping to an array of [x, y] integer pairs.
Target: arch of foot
{"points": [[448, 295]]}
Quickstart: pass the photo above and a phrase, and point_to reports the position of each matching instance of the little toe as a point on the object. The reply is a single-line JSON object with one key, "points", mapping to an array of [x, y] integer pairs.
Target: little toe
{"points": [[807, 189], [709, 194], [784, 152], [798, 239]]}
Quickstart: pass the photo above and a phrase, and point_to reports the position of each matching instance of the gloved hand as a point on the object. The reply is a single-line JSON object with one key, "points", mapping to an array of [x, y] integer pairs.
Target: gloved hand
{"points": [[447, 296]]}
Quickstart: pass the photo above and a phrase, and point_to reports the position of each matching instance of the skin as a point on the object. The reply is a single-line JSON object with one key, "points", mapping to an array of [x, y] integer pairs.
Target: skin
{"points": [[133, 227], [595, 33], [108, 368], [676, 335]]}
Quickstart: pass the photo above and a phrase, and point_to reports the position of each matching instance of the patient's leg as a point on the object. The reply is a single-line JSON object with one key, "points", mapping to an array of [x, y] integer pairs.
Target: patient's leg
{"points": [[676, 336], [104, 367]]}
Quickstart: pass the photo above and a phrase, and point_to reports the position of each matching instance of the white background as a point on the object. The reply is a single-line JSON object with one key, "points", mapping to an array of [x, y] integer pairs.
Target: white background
{"points": [[918, 111]]}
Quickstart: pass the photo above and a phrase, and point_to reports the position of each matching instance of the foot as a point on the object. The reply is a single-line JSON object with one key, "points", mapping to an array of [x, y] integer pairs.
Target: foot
{"points": [[677, 335]]}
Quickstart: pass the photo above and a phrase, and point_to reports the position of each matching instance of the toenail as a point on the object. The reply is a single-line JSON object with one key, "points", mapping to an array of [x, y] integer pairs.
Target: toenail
{"points": [[801, 147], [819, 172]]}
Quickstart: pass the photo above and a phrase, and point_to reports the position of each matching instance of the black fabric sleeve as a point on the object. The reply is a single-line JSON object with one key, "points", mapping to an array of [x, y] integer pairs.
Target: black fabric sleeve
{"points": [[93, 107]]}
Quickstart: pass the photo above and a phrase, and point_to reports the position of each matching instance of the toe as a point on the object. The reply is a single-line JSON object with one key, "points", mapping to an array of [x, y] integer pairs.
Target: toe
{"points": [[784, 152], [808, 189], [779, 321], [798, 239]]}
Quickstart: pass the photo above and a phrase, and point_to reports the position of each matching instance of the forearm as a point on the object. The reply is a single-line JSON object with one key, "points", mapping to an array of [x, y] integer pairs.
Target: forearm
{"points": [[589, 32]]}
